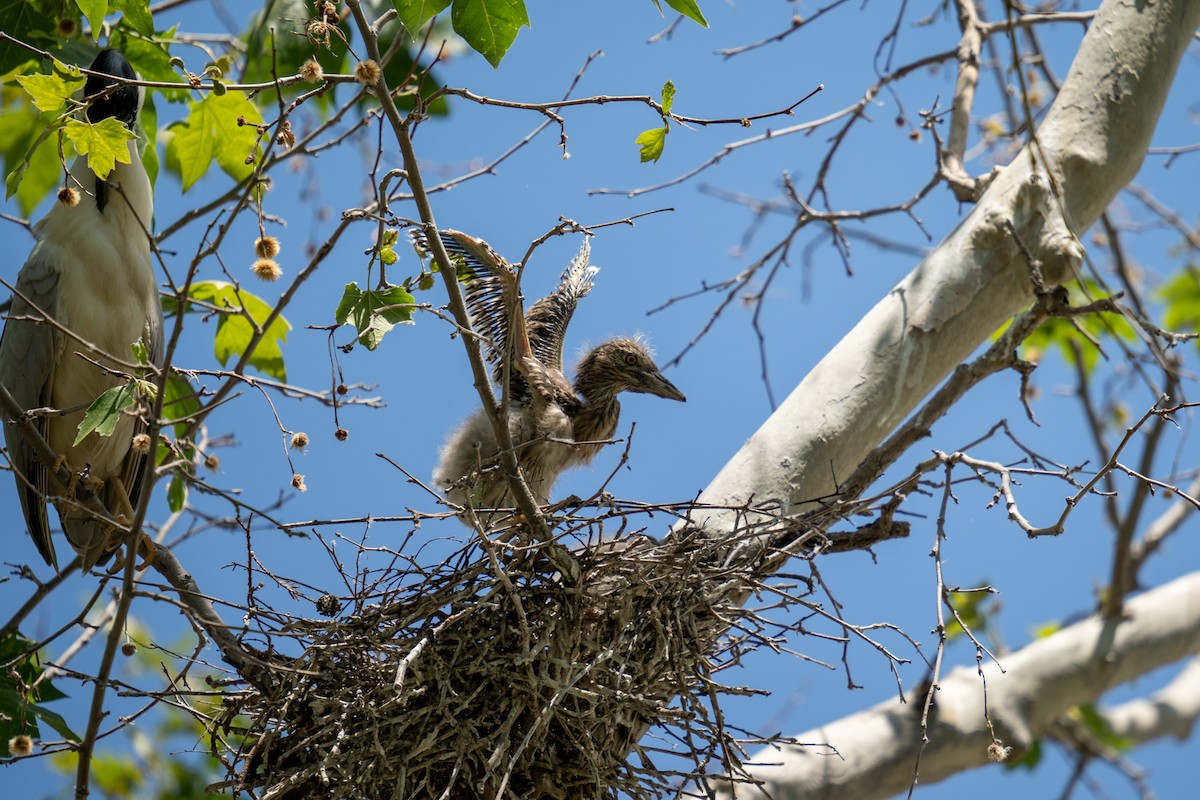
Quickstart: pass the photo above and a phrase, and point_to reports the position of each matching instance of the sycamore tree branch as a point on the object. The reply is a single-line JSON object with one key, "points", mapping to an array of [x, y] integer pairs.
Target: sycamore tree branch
{"points": [[1089, 147], [1171, 711], [871, 754]]}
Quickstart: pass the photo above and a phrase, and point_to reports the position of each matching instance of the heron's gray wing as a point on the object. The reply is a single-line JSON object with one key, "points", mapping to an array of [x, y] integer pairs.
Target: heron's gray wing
{"points": [[152, 335], [29, 351], [547, 321]]}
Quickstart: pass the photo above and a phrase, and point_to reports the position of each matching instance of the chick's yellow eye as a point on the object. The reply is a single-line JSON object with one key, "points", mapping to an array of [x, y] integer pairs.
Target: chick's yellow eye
{"points": [[631, 360]]}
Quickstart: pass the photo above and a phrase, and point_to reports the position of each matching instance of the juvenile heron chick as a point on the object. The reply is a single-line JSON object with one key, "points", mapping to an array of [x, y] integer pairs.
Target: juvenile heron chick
{"points": [[555, 424], [85, 295]]}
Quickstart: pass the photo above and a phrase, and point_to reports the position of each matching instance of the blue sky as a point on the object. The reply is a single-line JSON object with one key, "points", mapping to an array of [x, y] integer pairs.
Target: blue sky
{"points": [[422, 374]]}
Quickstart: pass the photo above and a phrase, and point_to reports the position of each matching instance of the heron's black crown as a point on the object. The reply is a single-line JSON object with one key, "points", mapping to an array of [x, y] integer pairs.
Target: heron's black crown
{"points": [[122, 102]]}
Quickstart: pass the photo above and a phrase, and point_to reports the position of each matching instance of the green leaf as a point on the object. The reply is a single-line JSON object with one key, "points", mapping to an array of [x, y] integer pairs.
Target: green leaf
{"points": [[211, 131], [50, 92], [1029, 761], [30, 154], [276, 41], [24, 21], [489, 26], [95, 11], [373, 313], [1099, 727], [180, 402], [148, 118], [20, 708], [689, 8], [177, 492], [403, 68], [1046, 629], [104, 143], [668, 97], [116, 776], [651, 143], [106, 411], [235, 332], [1181, 300], [415, 13], [137, 14], [54, 720], [1073, 337], [971, 609]]}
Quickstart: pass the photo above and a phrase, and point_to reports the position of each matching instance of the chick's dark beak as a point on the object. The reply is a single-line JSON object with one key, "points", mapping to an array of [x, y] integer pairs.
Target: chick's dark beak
{"points": [[653, 382]]}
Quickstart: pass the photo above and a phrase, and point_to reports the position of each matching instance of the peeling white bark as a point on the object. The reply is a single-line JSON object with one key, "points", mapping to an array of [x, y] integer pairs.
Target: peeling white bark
{"points": [[1171, 711], [877, 749], [1094, 139]]}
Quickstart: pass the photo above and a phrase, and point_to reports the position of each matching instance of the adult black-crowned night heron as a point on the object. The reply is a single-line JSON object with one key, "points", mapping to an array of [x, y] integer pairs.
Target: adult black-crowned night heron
{"points": [[85, 295], [555, 424]]}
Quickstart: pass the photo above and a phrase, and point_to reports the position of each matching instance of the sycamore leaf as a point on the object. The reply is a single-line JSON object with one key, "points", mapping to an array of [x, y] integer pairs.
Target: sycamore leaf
{"points": [[21, 707], [177, 493], [235, 332], [106, 410], [25, 21], [374, 312], [211, 131], [651, 143], [50, 92], [972, 608], [689, 8], [1028, 761], [180, 402], [489, 26], [103, 142], [415, 13], [1181, 300], [54, 720], [1098, 726], [95, 11], [1075, 338], [668, 97], [30, 155], [137, 14]]}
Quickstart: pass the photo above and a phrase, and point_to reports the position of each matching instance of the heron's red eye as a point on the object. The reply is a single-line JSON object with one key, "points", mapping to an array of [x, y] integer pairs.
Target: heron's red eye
{"points": [[631, 360]]}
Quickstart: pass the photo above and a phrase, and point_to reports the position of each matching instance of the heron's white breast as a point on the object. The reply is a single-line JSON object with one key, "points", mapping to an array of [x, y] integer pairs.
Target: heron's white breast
{"points": [[107, 292]]}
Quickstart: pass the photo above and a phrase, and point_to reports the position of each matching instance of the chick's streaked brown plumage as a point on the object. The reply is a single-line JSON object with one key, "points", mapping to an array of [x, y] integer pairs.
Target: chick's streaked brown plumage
{"points": [[555, 424]]}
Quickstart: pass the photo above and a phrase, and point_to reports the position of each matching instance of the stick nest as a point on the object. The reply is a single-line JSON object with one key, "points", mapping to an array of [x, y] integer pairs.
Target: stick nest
{"points": [[506, 671]]}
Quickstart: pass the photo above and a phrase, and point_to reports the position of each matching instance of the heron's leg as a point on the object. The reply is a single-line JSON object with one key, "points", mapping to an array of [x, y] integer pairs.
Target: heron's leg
{"points": [[59, 463], [145, 545]]}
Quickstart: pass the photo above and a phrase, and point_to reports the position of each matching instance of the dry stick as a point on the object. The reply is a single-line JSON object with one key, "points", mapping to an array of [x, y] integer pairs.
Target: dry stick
{"points": [[1118, 587]]}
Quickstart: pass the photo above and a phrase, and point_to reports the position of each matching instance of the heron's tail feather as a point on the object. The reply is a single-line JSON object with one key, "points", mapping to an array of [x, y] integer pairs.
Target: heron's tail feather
{"points": [[88, 535]]}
